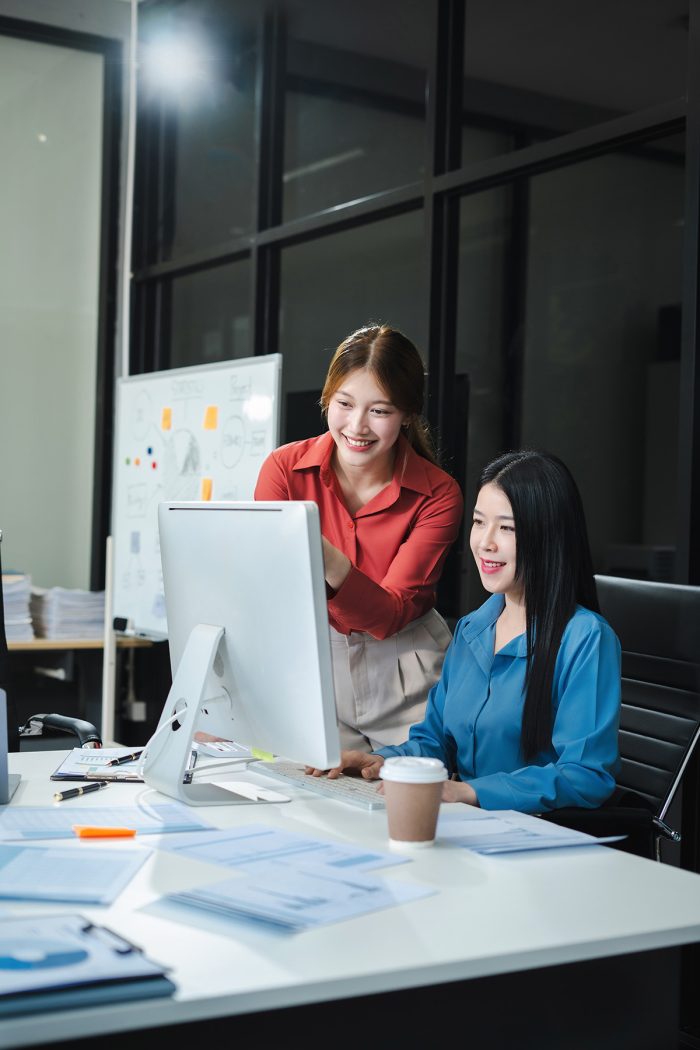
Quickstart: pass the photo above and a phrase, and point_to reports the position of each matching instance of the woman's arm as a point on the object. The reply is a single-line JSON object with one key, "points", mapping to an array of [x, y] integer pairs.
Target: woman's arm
{"points": [[359, 602], [336, 565], [584, 737], [272, 482], [383, 608]]}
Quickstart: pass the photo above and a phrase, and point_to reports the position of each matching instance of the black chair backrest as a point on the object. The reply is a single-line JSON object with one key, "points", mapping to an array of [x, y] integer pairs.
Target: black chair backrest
{"points": [[658, 625]]}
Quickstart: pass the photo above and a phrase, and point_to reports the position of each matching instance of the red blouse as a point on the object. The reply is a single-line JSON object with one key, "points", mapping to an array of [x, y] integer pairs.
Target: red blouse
{"points": [[397, 543]]}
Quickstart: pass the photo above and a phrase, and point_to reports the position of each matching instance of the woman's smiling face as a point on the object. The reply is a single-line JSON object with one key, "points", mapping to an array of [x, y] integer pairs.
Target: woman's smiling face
{"points": [[364, 423], [493, 543]]}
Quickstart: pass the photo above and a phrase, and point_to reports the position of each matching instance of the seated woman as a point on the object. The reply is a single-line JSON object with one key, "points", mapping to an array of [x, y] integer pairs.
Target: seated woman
{"points": [[525, 714]]}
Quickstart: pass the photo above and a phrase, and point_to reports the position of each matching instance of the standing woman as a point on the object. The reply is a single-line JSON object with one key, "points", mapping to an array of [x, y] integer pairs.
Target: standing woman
{"points": [[525, 715], [389, 515]]}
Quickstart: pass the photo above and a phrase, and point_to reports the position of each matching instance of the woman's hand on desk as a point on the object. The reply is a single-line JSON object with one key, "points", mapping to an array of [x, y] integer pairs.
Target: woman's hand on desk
{"points": [[456, 791], [368, 766]]}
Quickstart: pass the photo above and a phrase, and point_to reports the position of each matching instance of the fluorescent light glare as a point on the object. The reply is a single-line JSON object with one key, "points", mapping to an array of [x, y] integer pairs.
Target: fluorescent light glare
{"points": [[173, 63], [258, 407]]}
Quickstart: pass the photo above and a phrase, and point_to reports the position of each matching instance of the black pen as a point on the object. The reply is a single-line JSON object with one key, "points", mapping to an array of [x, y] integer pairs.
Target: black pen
{"points": [[94, 785], [124, 758]]}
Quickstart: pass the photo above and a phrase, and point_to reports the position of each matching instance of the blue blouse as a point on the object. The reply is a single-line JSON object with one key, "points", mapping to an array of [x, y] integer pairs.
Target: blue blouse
{"points": [[474, 715]]}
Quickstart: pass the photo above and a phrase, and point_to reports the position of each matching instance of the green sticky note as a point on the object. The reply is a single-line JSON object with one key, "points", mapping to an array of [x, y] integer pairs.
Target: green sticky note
{"points": [[266, 756]]}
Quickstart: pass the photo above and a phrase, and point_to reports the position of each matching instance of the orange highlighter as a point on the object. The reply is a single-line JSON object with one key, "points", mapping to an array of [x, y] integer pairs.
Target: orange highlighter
{"points": [[89, 831]]}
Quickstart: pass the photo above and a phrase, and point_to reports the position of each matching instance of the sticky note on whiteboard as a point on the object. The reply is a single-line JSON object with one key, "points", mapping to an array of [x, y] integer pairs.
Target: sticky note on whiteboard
{"points": [[211, 417], [206, 488], [166, 419]]}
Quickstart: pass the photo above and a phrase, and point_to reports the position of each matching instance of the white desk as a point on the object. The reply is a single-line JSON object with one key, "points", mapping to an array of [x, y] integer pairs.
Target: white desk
{"points": [[492, 916]]}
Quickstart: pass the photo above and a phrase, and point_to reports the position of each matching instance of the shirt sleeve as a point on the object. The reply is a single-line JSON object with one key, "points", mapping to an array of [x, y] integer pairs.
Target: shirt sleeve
{"points": [[272, 481], [383, 608], [584, 736]]}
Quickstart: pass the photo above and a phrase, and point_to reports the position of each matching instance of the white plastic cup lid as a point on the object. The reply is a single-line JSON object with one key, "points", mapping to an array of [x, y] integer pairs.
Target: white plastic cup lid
{"points": [[411, 769]]}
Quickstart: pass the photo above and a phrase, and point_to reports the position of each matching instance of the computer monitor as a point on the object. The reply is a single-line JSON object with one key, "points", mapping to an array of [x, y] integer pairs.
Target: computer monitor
{"points": [[247, 618], [9, 782]]}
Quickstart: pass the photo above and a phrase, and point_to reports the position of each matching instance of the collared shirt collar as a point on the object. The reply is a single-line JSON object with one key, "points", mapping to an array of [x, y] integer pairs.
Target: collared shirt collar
{"points": [[318, 454], [478, 631], [410, 469], [483, 617]]}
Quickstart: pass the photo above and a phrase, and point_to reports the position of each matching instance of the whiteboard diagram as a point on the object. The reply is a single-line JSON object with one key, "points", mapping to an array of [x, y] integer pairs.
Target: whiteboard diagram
{"points": [[197, 433]]}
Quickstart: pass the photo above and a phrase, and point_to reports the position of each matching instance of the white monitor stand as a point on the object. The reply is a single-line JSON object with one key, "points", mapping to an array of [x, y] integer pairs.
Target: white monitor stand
{"points": [[168, 756]]}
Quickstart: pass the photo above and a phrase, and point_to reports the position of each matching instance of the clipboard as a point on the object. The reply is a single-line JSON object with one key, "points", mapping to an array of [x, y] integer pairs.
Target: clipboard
{"points": [[59, 962], [87, 763]]}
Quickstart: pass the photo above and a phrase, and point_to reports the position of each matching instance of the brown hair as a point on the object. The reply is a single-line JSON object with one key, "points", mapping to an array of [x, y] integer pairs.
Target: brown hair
{"points": [[398, 368]]}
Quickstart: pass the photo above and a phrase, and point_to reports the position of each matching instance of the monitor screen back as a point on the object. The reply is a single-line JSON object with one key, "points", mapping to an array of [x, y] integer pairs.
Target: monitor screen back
{"points": [[256, 569], [9, 782]]}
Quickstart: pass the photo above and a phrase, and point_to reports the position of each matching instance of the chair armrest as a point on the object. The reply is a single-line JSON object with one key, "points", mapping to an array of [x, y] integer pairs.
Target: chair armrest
{"points": [[86, 732]]}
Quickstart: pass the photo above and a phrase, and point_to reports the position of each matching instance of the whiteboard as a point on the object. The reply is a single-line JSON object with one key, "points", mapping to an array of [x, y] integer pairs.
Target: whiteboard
{"points": [[196, 433]]}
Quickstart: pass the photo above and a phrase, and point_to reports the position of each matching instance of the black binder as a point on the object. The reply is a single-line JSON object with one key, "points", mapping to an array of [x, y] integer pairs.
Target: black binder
{"points": [[58, 962]]}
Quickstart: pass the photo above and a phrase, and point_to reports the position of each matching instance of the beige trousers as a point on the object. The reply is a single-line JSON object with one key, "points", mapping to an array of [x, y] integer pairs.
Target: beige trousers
{"points": [[381, 686]]}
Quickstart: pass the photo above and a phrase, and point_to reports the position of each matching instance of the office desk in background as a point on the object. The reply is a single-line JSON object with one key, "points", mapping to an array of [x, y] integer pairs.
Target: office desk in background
{"points": [[61, 644], [61, 675], [567, 949]]}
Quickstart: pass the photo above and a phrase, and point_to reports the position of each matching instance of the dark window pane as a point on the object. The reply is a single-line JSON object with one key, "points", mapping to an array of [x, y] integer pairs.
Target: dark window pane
{"points": [[589, 367], [330, 287], [355, 100], [602, 345], [481, 143], [547, 67], [209, 316], [198, 66], [485, 230]]}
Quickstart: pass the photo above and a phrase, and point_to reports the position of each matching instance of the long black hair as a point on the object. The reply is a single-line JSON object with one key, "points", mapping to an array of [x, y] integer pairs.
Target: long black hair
{"points": [[554, 567]]}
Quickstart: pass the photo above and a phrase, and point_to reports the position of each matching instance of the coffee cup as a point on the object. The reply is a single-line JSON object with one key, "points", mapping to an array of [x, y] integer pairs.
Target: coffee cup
{"points": [[412, 792]]}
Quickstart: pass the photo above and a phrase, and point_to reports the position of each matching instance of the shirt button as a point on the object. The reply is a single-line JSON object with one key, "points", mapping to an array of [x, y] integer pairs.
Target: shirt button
{"points": [[351, 524]]}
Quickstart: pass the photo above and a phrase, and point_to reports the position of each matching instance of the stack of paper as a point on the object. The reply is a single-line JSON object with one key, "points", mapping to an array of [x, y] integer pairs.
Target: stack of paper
{"points": [[16, 588], [60, 613]]}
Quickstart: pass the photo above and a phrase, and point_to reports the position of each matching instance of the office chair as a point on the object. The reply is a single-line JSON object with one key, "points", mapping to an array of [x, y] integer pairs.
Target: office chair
{"points": [[658, 625], [86, 733]]}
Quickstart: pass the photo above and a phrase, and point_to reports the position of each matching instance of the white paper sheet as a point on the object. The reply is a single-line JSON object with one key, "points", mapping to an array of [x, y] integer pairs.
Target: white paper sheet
{"points": [[305, 898], [259, 844], [54, 873], [19, 823], [507, 831]]}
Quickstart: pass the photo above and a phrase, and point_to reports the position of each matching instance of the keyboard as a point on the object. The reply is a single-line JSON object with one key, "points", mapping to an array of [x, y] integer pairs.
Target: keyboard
{"points": [[354, 790]]}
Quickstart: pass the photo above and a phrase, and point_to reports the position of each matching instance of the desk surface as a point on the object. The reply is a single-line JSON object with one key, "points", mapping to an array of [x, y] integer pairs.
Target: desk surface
{"points": [[51, 644], [491, 915]]}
